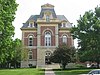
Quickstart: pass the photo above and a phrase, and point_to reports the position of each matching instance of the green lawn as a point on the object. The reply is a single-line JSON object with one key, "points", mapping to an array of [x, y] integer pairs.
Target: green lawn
{"points": [[72, 72], [30, 71]]}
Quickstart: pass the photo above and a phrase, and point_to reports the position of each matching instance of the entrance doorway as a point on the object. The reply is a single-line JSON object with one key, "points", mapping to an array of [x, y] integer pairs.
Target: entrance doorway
{"points": [[47, 57]]}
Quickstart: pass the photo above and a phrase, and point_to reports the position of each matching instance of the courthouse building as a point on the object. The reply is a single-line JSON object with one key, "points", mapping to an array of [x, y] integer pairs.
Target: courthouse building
{"points": [[42, 33]]}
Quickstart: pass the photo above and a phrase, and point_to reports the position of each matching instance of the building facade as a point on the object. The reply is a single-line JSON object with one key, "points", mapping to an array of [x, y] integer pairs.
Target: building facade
{"points": [[41, 34]]}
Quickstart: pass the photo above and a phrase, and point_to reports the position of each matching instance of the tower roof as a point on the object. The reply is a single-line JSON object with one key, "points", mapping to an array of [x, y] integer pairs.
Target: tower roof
{"points": [[47, 5]]}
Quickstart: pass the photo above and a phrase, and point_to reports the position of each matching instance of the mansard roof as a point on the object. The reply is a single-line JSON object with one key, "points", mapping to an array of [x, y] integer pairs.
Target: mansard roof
{"points": [[35, 17], [62, 18], [47, 5], [50, 10], [44, 8]]}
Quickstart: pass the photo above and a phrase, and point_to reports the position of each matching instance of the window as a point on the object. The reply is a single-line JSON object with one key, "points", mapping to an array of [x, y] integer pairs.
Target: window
{"points": [[63, 24], [31, 24], [47, 39], [64, 39], [30, 65], [30, 55], [48, 53], [30, 40], [47, 18]]}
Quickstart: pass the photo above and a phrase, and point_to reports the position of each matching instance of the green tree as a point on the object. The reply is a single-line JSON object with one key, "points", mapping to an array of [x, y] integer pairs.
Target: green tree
{"points": [[88, 34], [12, 54], [16, 53], [63, 55], [7, 12]]}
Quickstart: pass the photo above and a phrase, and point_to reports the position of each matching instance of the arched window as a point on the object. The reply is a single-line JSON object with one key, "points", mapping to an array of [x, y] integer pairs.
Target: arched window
{"points": [[48, 53], [30, 40], [47, 18], [47, 39], [30, 54], [64, 39]]}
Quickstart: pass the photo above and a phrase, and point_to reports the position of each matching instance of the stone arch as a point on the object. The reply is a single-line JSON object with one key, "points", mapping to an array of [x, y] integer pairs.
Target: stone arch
{"points": [[64, 34], [47, 29], [30, 35]]}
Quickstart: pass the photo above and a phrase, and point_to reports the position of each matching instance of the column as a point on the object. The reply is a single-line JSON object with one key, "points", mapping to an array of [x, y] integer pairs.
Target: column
{"points": [[56, 35], [40, 51]]}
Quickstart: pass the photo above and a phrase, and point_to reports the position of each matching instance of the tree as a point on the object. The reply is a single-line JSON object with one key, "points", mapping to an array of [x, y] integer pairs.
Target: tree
{"points": [[88, 34], [63, 55], [16, 53], [12, 54], [7, 12]]}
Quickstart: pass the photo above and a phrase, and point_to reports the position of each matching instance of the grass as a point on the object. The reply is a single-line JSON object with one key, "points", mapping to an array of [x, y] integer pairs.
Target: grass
{"points": [[34, 71], [72, 72], [29, 71]]}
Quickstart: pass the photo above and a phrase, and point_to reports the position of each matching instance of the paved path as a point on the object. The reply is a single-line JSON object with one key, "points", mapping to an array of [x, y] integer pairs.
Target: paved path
{"points": [[49, 71]]}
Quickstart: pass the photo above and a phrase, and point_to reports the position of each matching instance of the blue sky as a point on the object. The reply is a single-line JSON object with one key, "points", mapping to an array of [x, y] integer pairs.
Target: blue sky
{"points": [[72, 9]]}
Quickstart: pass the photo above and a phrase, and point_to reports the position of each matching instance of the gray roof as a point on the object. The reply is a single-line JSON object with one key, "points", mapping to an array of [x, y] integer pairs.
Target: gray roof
{"points": [[44, 8], [32, 17], [51, 10], [35, 17], [62, 18]]}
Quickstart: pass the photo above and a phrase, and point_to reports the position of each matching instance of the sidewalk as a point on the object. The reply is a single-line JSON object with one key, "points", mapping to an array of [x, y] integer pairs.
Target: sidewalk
{"points": [[49, 71]]}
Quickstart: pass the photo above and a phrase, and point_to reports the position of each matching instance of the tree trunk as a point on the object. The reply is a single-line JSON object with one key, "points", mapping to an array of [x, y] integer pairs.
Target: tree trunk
{"points": [[63, 65], [98, 64]]}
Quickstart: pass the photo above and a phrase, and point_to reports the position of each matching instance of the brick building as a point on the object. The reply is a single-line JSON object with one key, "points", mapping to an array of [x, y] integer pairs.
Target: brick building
{"points": [[41, 34]]}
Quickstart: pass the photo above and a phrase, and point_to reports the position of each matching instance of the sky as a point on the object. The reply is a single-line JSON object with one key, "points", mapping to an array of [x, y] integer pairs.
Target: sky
{"points": [[71, 9]]}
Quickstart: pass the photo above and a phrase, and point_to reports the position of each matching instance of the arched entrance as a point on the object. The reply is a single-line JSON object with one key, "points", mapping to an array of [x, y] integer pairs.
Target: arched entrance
{"points": [[47, 57]]}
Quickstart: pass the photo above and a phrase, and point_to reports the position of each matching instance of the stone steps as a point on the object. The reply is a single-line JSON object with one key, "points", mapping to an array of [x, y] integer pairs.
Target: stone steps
{"points": [[53, 66]]}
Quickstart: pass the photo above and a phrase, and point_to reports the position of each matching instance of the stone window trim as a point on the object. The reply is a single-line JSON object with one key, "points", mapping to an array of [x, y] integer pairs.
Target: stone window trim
{"points": [[48, 29], [65, 34], [30, 35]]}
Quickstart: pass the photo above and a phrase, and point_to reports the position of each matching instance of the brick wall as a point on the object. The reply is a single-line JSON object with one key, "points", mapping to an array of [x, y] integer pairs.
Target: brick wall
{"points": [[50, 29], [26, 34], [69, 41]]}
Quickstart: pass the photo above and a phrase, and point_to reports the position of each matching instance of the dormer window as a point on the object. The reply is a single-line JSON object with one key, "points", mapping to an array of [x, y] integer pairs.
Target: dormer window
{"points": [[63, 24], [31, 24], [47, 18]]}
